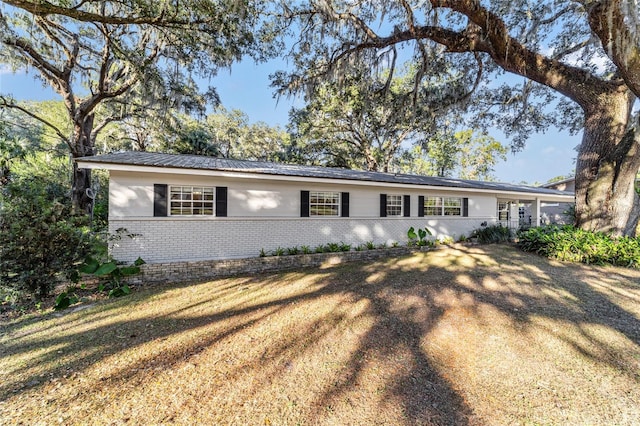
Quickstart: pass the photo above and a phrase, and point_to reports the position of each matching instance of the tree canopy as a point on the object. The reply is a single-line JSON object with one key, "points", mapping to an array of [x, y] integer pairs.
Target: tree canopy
{"points": [[578, 63], [109, 61]]}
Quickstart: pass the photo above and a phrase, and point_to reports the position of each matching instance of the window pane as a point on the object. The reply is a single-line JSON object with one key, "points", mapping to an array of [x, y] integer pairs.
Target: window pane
{"points": [[394, 205], [188, 201], [433, 206], [324, 203], [453, 206]]}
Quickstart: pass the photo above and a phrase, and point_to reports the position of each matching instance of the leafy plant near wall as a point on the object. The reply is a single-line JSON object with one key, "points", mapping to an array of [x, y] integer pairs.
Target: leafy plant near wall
{"points": [[577, 245], [112, 275], [492, 234], [418, 238]]}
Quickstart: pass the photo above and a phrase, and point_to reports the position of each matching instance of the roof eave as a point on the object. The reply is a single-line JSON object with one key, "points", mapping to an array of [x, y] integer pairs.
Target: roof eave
{"points": [[279, 177]]}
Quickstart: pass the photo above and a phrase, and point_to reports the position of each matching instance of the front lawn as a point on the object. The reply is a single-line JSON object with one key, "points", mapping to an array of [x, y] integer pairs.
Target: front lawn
{"points": [[463, 335]]}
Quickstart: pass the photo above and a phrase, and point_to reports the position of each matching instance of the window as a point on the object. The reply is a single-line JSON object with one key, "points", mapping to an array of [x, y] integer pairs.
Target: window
{"points": [[443, 206], [394, 205], [324, 203], [432, 206], [452, 206], [503, 211], [191, 201]]}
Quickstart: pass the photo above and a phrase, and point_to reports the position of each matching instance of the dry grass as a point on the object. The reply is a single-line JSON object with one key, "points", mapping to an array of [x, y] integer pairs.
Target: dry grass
{"points": [[465, 335]]}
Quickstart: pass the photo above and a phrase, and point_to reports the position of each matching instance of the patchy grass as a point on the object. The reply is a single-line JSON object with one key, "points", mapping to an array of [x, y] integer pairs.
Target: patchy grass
{"points": [[463, 335]]}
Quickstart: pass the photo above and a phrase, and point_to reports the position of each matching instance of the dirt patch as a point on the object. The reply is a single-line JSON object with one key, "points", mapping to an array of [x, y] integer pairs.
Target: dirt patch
{"points": [[465, 335]]}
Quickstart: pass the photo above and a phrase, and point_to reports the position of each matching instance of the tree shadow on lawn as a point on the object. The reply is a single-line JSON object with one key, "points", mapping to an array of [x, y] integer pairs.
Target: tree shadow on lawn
{"points": [[402, 301]]}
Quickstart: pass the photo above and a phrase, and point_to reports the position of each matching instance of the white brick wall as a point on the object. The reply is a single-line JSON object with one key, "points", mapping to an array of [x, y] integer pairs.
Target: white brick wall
{"points": [[189, 239]]}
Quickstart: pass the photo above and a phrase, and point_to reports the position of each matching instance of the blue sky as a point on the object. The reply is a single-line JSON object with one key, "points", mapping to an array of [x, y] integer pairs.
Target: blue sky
{"points": [[246, 87]]}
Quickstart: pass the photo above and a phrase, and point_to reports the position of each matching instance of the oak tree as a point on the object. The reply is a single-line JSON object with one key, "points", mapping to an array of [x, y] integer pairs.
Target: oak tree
{"points": [[572, 63], [110, 61]]}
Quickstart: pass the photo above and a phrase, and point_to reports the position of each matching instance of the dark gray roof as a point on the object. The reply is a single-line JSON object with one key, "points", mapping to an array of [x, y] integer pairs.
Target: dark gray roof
{"points": [[197, 162]]}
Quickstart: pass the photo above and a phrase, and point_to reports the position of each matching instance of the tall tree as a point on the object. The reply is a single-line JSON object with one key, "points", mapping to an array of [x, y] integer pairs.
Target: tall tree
{"points": [[112, 60], [463, 154], [362, 121], [587, 51]]}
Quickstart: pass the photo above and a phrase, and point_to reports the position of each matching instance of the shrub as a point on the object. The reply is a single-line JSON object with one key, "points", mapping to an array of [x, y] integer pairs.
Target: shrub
{"points": [[577, 245], [40, 240], [492, 234]]}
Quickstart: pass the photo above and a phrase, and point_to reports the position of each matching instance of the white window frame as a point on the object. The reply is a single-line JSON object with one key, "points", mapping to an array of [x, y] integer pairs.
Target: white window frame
{"points": [[448, 209], [435, 208], [324, 203], [395, 205], [439, 206], [503, 209], [182, 200]]}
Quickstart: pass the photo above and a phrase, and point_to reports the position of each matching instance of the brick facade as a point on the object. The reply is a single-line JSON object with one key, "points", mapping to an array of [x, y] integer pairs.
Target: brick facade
{"points": [[188, 239], [209, 269]]}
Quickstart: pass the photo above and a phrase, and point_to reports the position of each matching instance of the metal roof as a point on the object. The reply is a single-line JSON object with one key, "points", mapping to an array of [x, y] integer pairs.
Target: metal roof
{"points": [[197, 162]]}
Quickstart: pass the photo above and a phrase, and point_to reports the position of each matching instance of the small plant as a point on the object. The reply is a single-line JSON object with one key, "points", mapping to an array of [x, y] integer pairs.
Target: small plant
{"points": [[111, 275], [420, 238], [446, 240], [462, 239], [345, 247], [320, 249], [293, 251], [263, 253], [370, 245], [66, 299], [279, 251], [382, 245], [333, 247], [305, 249], [359, 247]]}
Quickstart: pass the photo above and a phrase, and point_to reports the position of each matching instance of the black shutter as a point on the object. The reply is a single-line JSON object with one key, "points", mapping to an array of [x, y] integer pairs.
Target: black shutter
{"points": [[159, 200], [421, 206], [344, 208], [465, 207], [383, 205], [304, 203], [221, 201], [406, 206]]}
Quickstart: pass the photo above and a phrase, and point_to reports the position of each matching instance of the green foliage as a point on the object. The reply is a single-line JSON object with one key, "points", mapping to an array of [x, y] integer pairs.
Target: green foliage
{"points": [[463, 154], [279, 251], [111, 274], [370, 245], [345, 247], [418, 238], [263, 253], [305, 249], [291, 251], [362, 121], [492, 234], [40, 240], [577, 245], [65, 299], [333, 248]]}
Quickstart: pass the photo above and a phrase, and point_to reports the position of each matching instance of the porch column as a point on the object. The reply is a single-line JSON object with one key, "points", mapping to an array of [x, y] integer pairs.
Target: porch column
{"points": [[535, 211]]}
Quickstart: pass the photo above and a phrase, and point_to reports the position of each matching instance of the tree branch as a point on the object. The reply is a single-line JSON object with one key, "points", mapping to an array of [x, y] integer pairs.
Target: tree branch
{"points": [[8, 104]]}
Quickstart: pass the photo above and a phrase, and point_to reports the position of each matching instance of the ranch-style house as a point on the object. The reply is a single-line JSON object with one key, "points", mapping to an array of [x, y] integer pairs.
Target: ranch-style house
{"points": [[187, 207]]}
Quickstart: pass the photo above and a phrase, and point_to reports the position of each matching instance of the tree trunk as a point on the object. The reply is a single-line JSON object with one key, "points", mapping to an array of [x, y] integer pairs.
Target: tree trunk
{"points": [[608, 161], [83, 145]]}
